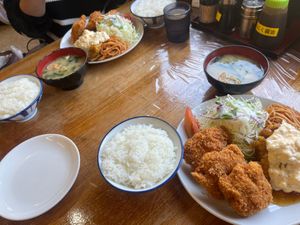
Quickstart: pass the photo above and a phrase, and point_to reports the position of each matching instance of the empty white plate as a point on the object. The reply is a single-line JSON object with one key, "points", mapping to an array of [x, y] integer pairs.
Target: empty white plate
{"points": [[36, 175]]}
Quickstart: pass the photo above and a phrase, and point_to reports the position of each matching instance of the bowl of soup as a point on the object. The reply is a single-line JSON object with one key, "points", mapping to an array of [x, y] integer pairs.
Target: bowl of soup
{"points": [[63, 68], [235, 69]]}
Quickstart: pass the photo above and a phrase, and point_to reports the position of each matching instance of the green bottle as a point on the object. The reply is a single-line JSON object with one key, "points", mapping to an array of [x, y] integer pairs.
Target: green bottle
{"points": [[270, 28]]}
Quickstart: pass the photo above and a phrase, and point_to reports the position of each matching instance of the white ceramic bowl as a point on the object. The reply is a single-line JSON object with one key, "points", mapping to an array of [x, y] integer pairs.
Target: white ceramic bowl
{"points": [[150, 22], [156, 123], [30, 111]]}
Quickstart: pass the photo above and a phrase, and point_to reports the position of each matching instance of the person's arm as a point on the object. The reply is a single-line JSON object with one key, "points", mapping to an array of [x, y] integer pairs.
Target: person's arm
{"points": [[23, 22], [35, 8]]}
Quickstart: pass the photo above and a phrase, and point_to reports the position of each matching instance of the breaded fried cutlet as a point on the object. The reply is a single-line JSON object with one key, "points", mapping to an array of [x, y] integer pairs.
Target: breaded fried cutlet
{"points": [[78, 28], [206, 140], [246, 189], [95, 18], [215, 164], [261, 152]]}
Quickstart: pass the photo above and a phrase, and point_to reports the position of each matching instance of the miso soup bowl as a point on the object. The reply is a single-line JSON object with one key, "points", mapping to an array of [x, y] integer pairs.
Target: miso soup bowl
{"points": [[247, 52], [72, 81]]}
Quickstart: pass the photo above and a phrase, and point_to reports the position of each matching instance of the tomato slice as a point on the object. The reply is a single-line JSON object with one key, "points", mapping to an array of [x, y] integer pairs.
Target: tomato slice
{"points": [[191, 124]]}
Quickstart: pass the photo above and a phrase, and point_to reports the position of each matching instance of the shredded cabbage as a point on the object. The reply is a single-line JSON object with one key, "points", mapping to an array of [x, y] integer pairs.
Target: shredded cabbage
{"points": [[244, 118], [119, 26]]}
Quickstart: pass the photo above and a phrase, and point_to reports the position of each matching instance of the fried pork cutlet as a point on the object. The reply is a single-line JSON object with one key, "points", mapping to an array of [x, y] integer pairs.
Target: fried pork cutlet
{"points": [[95, 18], [215, 164], [78, 28], [246, 189], [261, 152], [206, 140]]}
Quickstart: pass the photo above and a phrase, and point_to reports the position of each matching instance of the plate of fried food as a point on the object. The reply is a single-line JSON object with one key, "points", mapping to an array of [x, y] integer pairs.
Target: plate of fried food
{"points": [[242, 159], [104, 37]]}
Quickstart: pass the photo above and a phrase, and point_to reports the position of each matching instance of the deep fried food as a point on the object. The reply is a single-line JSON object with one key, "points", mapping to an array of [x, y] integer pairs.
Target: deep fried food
{"points": [[112, 12], [206, 140], [246, 189], [95, 18], [278, 113], [215, 164], [78, 28], [261, 152]]}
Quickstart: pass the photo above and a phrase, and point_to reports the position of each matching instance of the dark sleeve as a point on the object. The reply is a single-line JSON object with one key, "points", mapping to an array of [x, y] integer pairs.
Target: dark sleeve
{"points": [[112, 4], [35, 27]]}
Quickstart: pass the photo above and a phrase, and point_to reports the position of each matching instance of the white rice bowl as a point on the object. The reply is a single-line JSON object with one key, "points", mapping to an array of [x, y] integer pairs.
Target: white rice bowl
{"points": [[139, 156], [17, 93], [150, 8]]}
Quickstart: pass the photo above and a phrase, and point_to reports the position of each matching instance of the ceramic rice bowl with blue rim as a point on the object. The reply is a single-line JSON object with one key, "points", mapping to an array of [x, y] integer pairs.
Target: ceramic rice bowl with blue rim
{"points": [[31, 110], [156, 123]]}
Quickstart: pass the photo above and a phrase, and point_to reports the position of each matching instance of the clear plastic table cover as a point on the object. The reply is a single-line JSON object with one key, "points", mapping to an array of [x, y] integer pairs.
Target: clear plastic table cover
{"points": [[281, 83]]}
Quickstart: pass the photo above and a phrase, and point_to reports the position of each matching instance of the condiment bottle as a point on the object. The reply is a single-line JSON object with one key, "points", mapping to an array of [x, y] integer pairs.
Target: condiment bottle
{"points": [[208, 9], [250, 11], [227, 15], [270, 28]]}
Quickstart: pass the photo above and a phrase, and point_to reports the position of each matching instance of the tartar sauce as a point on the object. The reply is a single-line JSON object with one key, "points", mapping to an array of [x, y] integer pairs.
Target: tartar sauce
{"points": [[284, 158]]}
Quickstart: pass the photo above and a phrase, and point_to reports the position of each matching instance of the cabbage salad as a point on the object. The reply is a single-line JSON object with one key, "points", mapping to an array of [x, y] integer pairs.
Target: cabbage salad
{"points": [[244, 118], [119, 26]]}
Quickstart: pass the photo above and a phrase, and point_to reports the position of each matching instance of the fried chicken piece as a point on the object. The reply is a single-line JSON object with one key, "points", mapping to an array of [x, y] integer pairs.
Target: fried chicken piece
{"points": [[246, 189], [261, 152], [95, 18], [206, 140], [93, 52], [215, 164], [78, 28], [269, 129], [112, 12]]}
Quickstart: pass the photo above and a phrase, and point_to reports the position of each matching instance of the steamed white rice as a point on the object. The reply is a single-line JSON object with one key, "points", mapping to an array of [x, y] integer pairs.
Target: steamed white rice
{"points": [[16, 96], [151, 8], [138, 157]]}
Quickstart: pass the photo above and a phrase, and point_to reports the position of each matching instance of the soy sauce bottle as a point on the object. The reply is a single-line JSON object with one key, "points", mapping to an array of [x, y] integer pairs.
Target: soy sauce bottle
{"points": [[227, 15], [270, 28], [208, 10]]}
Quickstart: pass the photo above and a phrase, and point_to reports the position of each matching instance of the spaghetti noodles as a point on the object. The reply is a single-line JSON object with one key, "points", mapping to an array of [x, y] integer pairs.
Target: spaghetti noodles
{"points": [[108, 49], [278, 113]]}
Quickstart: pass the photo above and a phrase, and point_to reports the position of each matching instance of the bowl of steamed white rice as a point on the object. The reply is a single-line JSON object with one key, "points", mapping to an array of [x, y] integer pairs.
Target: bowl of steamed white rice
{"points": [[140, 154], [150, 11], [19, 97]]}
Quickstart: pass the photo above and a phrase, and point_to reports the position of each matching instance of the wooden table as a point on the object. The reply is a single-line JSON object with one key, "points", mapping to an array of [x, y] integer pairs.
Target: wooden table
{"points": [[157, 78]]}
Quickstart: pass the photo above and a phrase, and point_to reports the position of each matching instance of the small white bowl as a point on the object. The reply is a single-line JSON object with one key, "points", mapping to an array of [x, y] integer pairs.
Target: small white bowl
{"points": [[153, 22], [156, 123], [30, 111]]}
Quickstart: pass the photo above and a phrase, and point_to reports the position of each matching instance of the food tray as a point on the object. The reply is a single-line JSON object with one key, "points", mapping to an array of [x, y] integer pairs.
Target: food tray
{"points": [[290, 37]]}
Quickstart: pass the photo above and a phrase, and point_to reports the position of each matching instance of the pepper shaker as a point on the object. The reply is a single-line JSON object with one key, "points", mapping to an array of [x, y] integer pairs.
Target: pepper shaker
{"points": [[250, 11]]}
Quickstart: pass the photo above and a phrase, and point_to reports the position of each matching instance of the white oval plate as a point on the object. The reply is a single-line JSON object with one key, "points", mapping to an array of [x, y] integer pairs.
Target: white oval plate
{"points": [[66, 41], [36, 175], [273, 214]]}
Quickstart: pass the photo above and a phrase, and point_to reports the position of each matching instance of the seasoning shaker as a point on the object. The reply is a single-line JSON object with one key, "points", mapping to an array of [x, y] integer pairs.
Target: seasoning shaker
{"points": [[250, 11], [227, 16], [208, 9]]}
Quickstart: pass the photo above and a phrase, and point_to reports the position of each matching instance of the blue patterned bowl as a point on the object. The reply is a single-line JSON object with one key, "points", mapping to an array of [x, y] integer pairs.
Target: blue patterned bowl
{"points": [[30, 111]]}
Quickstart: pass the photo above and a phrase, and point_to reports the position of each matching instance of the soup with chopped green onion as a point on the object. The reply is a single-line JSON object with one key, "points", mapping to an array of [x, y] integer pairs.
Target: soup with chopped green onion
{"points": [[62, 67]]}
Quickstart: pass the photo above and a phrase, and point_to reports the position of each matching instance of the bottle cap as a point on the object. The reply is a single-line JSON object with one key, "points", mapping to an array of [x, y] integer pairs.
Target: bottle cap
{"points": [[277, 4], [253, 3]]}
